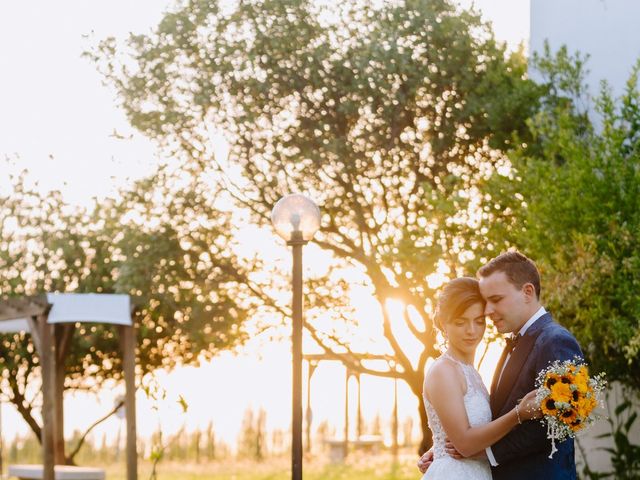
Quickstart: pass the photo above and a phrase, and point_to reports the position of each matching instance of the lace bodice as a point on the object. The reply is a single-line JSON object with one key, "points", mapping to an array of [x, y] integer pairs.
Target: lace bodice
{"points": [[476, 402]]}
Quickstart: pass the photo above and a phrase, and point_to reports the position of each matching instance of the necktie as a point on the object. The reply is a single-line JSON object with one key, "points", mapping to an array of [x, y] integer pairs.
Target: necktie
{"points": [[511, 343]]}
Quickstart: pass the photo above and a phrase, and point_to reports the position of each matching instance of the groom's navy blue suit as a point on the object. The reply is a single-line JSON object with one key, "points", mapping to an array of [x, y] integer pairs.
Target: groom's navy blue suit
{"points": [[523, 453]]}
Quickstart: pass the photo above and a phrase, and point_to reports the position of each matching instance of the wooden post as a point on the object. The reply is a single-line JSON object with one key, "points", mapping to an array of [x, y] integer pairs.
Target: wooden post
{"points": [[346, 414], [47, 359], [58, 432], [359, 418], [311, 367], [63, 333], [128, 343], [394, 425]]}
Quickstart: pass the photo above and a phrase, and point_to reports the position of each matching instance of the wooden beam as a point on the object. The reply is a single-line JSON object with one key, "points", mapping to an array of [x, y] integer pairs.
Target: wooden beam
{"points": [[341, 357], [23, 307], [35, 331]]}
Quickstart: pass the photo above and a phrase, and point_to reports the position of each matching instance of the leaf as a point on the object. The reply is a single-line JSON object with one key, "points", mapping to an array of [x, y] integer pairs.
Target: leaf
{"points": [[183, 404], [630, 421], [621, 441], [622, 407]]}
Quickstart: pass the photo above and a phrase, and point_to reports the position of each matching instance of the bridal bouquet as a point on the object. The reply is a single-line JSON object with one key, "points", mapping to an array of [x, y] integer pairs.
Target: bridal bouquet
{"points": [[568, 397]]}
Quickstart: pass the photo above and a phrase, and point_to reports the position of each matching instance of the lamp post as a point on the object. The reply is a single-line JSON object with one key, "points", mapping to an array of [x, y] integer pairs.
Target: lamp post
{"points": [[296, 219]]}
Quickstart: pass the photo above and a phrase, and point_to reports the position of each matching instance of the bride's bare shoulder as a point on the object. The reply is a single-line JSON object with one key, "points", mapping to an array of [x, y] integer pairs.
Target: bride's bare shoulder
{"points": [[442, 373]]}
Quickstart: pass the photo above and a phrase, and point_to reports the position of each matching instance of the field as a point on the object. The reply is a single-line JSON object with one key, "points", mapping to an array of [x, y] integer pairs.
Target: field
{"points": [[381, 467]]}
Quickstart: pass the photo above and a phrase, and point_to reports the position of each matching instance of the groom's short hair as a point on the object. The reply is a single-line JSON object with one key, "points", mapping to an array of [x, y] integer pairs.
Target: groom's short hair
{"points": [[518, 268]]}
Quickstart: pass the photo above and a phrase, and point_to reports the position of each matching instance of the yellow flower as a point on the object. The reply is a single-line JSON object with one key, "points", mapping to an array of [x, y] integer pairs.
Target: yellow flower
{"points": [[548, 406], [551, 379], [569, 416], [582, 379], [561, 392], [587, 405], [577, 424]]}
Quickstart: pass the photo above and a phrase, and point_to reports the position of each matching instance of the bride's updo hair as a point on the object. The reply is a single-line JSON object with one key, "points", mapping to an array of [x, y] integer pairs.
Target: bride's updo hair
{"points": [[456, 296]]}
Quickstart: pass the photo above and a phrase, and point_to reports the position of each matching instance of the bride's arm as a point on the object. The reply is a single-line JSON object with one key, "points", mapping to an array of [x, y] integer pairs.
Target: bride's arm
{"points": [[446, 394]]}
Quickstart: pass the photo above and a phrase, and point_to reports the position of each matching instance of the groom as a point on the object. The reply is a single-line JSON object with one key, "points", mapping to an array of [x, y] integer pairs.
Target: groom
{"points": [[510, 284]]}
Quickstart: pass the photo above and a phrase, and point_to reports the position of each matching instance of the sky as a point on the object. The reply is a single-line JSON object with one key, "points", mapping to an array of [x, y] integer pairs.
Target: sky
{"points": [[57, 117], [58, 120]]}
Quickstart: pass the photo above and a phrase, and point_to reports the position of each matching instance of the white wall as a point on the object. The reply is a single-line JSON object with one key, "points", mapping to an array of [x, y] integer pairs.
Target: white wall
{"points": [[608, 30], [596, 457]]}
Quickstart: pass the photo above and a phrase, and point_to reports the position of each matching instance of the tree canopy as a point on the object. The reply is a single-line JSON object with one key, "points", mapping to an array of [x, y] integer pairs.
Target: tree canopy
{"points": [[171, 252], [387, 115]]}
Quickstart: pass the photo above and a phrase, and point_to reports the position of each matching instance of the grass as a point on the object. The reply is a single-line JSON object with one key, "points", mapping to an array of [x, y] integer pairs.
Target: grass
{"points": [[378, 467]]}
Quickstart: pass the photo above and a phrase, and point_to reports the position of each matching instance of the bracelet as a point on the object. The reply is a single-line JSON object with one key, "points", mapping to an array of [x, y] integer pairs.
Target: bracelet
{"points": [[518, 414]]}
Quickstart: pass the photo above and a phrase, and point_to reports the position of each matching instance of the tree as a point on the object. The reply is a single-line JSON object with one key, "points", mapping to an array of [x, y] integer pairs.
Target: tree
{"points": [[168, 247], [251, 443], [388, 116], [572, 202], [210, 448]]}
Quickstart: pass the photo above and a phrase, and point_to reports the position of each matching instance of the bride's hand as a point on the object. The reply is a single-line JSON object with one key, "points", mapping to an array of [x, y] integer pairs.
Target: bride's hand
{"points": [[528, 408], [425, 460]]}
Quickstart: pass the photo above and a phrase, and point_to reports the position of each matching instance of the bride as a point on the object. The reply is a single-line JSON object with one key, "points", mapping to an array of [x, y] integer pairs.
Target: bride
{"points": [[456, 400]]}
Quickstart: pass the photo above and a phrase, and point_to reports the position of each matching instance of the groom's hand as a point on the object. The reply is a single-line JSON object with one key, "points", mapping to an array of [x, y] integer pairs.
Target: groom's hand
{"points": [[451, 450], [425, 460]]}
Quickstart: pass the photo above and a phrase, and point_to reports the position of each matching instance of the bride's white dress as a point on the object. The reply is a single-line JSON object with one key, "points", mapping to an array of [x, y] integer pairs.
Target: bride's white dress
{"points": [[476, 402]]}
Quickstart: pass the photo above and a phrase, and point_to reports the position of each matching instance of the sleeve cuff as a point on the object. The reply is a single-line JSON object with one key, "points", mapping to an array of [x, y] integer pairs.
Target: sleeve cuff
{"points": [[492, 459]]}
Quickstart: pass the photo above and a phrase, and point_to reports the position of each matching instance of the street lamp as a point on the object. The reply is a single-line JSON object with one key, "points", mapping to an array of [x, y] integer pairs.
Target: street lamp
{"points": [[296, 219]]}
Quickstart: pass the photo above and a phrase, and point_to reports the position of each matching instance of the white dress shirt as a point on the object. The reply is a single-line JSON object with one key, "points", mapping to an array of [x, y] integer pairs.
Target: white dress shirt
{"points": [[541, 311]]}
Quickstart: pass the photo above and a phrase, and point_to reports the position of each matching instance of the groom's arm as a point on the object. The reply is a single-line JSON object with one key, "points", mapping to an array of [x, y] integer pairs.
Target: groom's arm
{"points": [[531, 436]]}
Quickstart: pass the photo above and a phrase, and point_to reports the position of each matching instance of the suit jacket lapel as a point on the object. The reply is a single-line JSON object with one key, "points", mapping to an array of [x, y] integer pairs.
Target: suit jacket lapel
{"points": [[496, 373], [511, 371], [500, 393]]}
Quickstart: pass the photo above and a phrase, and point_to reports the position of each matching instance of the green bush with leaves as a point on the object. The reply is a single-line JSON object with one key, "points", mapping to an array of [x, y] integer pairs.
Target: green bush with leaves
{"points": [[572, 202]]}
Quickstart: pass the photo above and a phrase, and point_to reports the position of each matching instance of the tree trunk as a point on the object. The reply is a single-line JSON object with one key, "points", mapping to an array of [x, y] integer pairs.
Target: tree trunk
{"points": [[427, 437], [415, 382]]}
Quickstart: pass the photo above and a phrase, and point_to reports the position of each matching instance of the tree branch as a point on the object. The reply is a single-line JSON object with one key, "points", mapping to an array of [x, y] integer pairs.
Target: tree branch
{"points": [[25, 412], [82, 439], [421, 335], [388, 334], [350, 359]]}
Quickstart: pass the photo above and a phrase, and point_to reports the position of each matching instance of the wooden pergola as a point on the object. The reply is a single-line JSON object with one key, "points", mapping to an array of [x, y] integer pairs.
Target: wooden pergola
{"points": [[312, 363], [51, 321]]}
